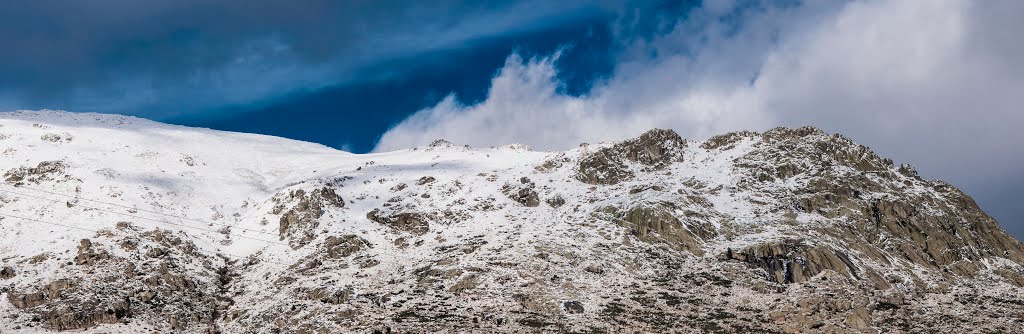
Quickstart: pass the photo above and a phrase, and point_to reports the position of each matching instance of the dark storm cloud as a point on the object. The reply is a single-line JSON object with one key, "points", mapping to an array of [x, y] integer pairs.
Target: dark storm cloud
{"points": [[148, 54]]}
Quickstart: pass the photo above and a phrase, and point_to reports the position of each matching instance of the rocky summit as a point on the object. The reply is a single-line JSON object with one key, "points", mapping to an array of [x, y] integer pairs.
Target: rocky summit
{"points": [[112, 224]]}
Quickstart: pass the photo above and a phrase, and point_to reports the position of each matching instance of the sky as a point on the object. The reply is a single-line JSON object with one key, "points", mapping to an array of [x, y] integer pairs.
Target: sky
{"points": [[938, 84]]}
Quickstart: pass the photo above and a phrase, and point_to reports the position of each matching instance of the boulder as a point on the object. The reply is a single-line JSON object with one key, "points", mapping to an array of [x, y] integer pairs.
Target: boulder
{"points": [[7, 273], [522, 193], [339, 247], [412, 222]]}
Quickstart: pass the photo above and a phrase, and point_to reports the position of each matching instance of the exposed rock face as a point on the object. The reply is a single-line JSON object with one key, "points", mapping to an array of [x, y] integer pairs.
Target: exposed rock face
{"points": [[656, 149], [790, 261], [885, 212], [425, 180], [658, 223], [726, 141], [573, 306], [87, 255], [300, 213], [87, 313], [603, 167]]}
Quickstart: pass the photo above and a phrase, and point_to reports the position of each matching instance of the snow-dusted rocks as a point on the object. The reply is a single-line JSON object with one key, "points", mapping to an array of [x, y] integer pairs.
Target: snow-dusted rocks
{"points": [[607, 165], [301, 212], [44, 171], [136, 226]]}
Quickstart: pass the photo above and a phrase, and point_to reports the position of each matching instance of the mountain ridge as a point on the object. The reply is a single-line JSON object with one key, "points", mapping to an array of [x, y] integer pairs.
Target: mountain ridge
{"points": [[787, 230]]}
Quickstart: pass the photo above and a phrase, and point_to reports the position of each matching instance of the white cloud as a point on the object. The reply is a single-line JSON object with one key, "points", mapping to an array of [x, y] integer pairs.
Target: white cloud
{"points": [[925, 81], [698, 86], [936, 83], [523, 102]]}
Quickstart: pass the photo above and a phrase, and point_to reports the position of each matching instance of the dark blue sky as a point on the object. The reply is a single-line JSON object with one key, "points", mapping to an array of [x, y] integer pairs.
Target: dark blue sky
{"points": [[353, 115], [349, 73], [334, 72]]}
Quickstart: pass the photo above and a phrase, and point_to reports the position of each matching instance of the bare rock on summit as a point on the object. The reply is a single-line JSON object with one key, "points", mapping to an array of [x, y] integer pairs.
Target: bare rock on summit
{"points": [[791, 261], [655, 149]]}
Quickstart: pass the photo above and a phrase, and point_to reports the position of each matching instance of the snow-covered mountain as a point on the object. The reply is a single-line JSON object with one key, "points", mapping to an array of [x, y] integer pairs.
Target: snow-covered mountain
{"points": [[117, 224]]}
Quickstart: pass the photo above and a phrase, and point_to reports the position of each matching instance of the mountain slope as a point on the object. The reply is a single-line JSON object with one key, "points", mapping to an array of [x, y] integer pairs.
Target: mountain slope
{"points": [[113, 223]]}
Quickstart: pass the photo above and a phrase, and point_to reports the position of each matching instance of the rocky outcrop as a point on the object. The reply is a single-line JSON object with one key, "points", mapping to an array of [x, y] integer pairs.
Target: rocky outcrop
{"points": [[654, 149], [87, 255], [44, 171], [658, 223], [300, 213], [412, 222], [782, 153], [106, 289], [726, 141], [891, 215], [783, 231], [523, 193], [603, 167], [337, 247], [56, 311], [555, 201], [792, 261]]}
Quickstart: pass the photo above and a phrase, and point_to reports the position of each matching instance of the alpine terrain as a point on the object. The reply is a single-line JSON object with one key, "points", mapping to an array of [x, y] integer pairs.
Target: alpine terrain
{"points": [[114, 224]]}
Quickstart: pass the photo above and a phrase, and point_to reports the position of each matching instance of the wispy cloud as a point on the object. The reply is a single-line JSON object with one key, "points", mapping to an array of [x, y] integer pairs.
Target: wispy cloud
{"points": [[159, 59]]}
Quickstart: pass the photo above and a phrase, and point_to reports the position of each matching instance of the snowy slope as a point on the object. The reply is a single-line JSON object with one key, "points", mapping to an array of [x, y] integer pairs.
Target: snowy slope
{"points": [[170, 170], [275, 235]]}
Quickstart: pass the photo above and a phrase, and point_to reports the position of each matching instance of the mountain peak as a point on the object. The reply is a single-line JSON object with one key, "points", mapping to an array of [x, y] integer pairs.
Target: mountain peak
{"points": [[155, 227]]}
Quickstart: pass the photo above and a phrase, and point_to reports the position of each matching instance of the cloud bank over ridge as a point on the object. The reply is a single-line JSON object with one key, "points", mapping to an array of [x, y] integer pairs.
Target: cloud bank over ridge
{"points": [[934, 83]]}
